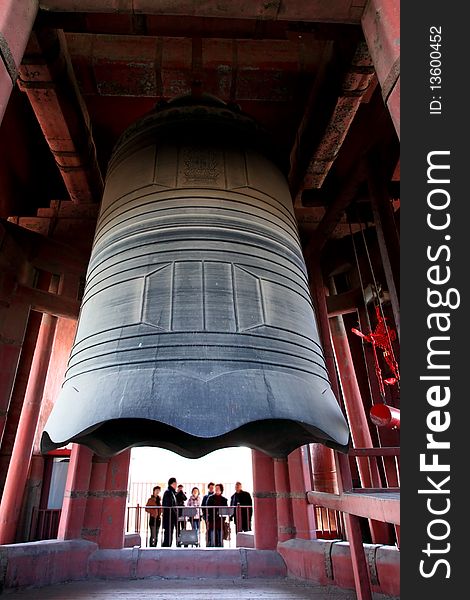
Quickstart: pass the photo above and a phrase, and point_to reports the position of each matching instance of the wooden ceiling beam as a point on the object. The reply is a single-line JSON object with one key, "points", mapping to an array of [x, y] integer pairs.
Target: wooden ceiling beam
{"points": [[46, 76], [336, 11], [341, 113]]}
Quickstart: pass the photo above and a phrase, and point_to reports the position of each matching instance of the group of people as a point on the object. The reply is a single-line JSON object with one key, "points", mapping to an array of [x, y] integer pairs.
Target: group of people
{"points": [[167, 512]]}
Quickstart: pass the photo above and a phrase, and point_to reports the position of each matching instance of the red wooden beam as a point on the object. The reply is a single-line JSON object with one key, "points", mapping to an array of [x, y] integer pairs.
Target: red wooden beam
{"points": [[47, 77], [381, 26], [341, 304], [45, 302], [16, 22], [355, 85], [41, 252], [374, 452], [339, 11], [335, 211], [383, 506], [126, 65]]}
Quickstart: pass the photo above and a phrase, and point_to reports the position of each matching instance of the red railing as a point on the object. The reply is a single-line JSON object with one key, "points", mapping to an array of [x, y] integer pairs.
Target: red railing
{"points": [[383, 465], [330, 524], [44, 524]]}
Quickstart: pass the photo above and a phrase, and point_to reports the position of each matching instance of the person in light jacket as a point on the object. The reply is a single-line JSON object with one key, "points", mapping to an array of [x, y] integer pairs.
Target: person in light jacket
{"points": [[194, 501]]}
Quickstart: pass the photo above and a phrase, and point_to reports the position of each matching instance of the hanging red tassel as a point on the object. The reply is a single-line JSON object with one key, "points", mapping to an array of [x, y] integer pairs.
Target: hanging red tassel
{"points": [[383, 415], [382, 338]]}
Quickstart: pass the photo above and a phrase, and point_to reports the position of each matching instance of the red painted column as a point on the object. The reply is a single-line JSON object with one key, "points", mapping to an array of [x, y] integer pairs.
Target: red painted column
{"points": [[381, 27], [16, 22], [357, 419], [13, 323], [94, 499], [22, 450], [343, 470], [18, 394], [114, 504], [302, 511], [285, 520], [352, 398], [325, 480], [323, 459], [75, 495], [264, 501], [32, 497], [358, 560]]}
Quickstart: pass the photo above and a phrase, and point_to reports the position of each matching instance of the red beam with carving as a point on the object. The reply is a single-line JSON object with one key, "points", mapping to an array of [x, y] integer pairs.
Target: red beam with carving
{"points": [[355, 84], [338, 11], [47, 77]]}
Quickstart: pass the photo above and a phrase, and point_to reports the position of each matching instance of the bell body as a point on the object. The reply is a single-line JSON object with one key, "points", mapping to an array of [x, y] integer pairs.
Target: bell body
{"points": [[196, 330]]}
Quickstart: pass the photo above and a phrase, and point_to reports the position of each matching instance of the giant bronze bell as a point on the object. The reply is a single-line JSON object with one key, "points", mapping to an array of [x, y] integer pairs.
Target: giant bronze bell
{"points": [[196, 330]]}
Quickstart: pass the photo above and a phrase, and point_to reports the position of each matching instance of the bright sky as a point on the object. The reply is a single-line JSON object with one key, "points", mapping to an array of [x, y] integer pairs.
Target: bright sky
{"points": [[158, 465]]}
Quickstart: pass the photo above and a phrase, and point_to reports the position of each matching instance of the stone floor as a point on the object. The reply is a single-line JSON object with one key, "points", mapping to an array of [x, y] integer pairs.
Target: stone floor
{"points": [[165, 589]]}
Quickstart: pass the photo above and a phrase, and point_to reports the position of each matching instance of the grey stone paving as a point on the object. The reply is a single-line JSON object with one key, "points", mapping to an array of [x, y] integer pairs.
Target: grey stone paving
{"points": [[194, 589]]}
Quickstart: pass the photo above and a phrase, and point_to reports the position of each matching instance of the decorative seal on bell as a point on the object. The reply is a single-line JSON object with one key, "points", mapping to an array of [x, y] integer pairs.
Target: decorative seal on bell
{"points": [[197, 330]]}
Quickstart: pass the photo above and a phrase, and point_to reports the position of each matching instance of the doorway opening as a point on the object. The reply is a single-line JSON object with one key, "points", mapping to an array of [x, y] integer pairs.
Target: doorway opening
{"points": [[196, 520]]}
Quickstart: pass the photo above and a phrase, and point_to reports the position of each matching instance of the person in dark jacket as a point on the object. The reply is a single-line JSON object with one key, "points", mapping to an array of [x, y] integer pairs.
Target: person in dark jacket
{"points": [[215, 522], [242, 516], [210, 491], [180, 501], [155, 515], [170, 516]]}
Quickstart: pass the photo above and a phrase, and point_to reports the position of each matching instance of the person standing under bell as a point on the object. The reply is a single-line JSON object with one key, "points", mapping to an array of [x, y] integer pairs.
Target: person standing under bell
{"points": [[155, 515], [242, 516], [215, 521], [170, 516], [194, 501]]}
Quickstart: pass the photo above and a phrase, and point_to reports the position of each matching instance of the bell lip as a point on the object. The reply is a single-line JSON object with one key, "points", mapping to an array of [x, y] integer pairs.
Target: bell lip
{"points": [[286, 431]]}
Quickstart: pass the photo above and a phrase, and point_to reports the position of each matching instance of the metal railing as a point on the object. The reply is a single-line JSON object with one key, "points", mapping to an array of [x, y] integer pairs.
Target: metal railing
{"points": [[187, 526]]}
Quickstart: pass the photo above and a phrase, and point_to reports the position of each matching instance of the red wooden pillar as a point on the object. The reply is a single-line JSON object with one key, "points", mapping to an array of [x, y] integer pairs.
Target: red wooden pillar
{"points": [[343, 471], [13, 322], [105, 509], [323, 460], [358, 422], [114, 504], [32, 497], [94, 499], [285, 520], [75, 495], [302, 511], [16, 22], [325, 480], [264, 501], [381, 27], [18, 394], [22, 449]]}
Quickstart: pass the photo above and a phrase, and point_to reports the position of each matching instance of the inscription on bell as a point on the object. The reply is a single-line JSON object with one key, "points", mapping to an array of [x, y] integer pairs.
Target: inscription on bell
{"points": [[201, 165]]}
